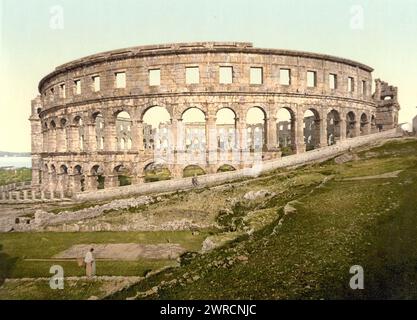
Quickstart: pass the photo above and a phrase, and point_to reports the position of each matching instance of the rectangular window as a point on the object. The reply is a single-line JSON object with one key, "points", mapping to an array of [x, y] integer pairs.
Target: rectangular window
{"points": [[364, 91], [226, 75], [77, 84], [256, 75], [351, 84], [192, 75], [333, 81], [96, 83], [311, 79], [120, 80], [62, 91], [155, 77], [285, 77]]}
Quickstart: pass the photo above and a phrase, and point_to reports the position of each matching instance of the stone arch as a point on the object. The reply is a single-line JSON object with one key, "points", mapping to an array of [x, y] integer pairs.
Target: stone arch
{"points": [[96, 178], [350, 124], [373, 124], [62, 137], [78, 179], [97, 119], [311, 132], [333, 127], [123, 174], [159, 106], [156, 171], [226, 167], [364, 124], [256, 128], [193, 170], [79, 137], [286, 129], [194, 130], [124, 124], [183, 110], [78, 170], [63, 169], [64, 122], [77, 120], [156, 122], [226, 134]]}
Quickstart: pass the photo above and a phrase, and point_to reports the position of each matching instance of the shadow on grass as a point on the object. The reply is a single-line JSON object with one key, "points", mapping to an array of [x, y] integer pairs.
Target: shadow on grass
{"points": [[7, 264]]}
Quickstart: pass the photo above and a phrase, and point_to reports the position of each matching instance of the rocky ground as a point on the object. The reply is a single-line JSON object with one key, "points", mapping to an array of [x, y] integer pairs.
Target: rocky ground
{"points": [[359, 210], [291, 233]]}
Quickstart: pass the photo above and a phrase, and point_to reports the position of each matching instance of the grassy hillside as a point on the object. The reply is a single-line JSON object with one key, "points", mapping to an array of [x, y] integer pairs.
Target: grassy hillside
{"points": [[357, 216]]}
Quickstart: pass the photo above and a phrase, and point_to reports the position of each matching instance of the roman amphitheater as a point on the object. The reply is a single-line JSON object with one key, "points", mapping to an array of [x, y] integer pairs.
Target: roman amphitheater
{"points": [[126, 116]]}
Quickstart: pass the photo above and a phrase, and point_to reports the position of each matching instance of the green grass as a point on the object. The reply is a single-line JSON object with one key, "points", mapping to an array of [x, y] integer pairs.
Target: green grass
{"points": [[372, 223], [159, 174], [16, 247], [192, 171], [40, 290], [16, 175]]}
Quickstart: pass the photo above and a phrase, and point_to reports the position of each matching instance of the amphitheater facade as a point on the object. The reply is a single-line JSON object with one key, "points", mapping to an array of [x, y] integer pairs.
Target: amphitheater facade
{"points": [[89, 124]]}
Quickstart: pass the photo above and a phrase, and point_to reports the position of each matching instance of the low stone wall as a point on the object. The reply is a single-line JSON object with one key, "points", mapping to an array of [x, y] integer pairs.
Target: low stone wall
{"points": [[218, 178], [16, 186], [27, 194]]}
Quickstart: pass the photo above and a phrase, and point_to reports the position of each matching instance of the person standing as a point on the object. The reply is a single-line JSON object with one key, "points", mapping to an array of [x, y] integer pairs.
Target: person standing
{"points": [[90, 263]]}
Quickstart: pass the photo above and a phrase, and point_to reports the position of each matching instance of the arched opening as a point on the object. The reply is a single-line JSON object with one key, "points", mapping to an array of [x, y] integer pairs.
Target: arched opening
{"points": [[350, 125], [192, 171], [52, 137], [373, 124], [156, 128], [45, 173], [63, 169], [97, 174], [226, 129], [63, 179], [99, 130], [53, 179], [194, 122], [123, 176], [64, 135], [156, 171], [311, 129], [364, 124], [79, 140], [124, 131], [286, 131], [226, 168], [80, 179], [333, 127], [256, 129]]}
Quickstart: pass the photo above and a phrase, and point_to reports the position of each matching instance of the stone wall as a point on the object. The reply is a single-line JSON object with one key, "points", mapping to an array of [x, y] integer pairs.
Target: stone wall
{"points": [[75, 139], [218, 178]]}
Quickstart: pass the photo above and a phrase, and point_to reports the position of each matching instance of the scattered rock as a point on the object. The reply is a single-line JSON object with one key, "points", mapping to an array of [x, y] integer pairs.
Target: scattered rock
{"points": [[242, 258], [254, 195]]}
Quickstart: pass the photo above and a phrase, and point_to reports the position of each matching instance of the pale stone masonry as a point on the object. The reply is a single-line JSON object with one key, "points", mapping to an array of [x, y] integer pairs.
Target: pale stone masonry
{"points": [[77, 146]]}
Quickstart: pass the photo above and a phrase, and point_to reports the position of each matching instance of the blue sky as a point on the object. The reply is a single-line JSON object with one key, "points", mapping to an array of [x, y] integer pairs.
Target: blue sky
{"points": [[30, 48]]}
